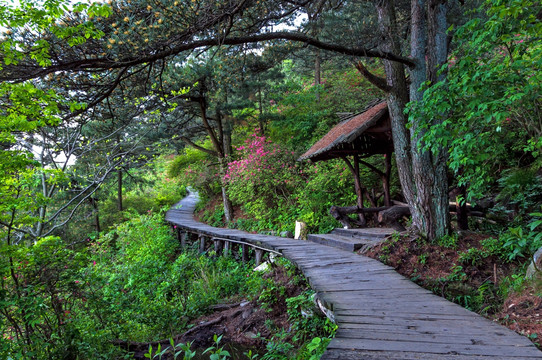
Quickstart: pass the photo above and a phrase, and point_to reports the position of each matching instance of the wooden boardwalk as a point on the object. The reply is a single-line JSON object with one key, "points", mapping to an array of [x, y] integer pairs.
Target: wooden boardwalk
{"points": [[380, 314]]}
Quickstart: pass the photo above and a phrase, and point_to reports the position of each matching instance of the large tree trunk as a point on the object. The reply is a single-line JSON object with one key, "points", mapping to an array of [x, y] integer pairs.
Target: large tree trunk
{"points": [[228, 208], [317, 74], [422, 175], [428, 35], [97, 226], [119, 189], [224, 131], [119, 181]]}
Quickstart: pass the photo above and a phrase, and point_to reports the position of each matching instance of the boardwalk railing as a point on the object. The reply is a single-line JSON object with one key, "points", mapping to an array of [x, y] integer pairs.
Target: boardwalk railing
{"points": [[380, 314]]}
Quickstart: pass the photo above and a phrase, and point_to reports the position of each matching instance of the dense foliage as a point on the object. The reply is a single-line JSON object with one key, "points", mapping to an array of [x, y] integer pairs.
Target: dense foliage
{"points": [[490, 100]]}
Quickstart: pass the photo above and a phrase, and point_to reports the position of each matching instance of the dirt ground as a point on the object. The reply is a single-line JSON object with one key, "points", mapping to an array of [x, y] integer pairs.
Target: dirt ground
{"points": [[432, 266]]}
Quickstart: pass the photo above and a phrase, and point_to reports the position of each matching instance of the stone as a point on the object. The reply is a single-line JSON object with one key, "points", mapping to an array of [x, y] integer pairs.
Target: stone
{"points": [[536, 263], [263, 267]]}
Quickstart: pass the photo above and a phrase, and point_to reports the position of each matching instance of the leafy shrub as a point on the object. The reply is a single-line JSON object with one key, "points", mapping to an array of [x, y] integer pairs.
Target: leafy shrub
{"points": [[521, 189], [514, 243], [40, 289], [138, 287]]}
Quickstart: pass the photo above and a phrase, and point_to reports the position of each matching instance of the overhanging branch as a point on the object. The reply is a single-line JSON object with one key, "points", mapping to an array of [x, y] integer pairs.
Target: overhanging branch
{"points": [[104, 63]]}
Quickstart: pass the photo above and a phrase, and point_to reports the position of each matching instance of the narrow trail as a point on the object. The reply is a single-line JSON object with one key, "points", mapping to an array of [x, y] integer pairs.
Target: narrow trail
{"points": [[380, 314]]}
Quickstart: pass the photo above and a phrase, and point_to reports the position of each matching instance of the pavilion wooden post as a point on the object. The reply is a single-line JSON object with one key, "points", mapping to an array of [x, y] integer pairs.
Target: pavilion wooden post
{"points": [[219, 244], [184, 236], [259, 255], [386, 178], [354, 169]]}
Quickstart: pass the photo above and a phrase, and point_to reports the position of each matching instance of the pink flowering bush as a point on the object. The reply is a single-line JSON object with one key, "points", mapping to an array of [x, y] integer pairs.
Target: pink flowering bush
{"points": [[263, 179]]}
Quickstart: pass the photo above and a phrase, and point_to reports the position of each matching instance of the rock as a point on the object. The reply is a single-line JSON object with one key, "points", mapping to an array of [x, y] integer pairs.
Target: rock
{"points": [[536, 263], [262, 267], [246, 314], [300, 230], [287, 234]]}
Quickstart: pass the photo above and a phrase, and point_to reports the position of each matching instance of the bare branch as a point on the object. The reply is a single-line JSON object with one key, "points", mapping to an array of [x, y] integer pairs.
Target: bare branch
{"points": [[377, 81], [201, 148]]}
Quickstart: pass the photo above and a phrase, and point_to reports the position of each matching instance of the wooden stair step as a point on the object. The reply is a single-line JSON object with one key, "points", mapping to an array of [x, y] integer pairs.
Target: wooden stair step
{"points": [[343, 242], [367, 233]]}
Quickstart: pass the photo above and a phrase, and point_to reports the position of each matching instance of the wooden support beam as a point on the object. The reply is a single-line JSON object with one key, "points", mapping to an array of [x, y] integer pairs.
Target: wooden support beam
{"points": [[354, 169], [227, 247], [219, 244], [244, 253], [259, 255], [201, 243]]}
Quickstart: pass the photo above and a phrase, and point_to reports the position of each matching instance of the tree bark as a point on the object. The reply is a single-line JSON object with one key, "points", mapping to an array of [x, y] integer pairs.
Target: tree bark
{"points": [[430, 206], [391, 216], [317, 74], [397, 98], [119, 182], [119, 190], [96, 215], [422, 174], [228, 208], [386, 179]]}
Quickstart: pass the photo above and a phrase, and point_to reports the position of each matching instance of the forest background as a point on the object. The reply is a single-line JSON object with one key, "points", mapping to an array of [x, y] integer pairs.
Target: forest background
{"points": [[110, 110]]}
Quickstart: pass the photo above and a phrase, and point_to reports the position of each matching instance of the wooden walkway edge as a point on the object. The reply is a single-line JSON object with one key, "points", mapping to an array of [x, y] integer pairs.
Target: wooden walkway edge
{"points": [[380, 314]]}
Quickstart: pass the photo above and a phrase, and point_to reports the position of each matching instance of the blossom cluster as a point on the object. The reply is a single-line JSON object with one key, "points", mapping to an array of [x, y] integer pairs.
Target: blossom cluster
{"points": [[257, 156]]}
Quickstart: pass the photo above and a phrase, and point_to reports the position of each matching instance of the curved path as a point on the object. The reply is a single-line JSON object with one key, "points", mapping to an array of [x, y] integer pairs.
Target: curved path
{"points": [[380, 314]]}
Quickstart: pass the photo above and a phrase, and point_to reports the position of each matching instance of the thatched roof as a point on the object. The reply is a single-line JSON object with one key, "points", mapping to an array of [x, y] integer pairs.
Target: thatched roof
{"points": [[366, 133]]}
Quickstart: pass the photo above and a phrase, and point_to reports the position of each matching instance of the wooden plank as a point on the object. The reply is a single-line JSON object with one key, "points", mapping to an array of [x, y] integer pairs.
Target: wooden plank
{"points": [[399, 308], [348, 354], [435, 348], [429, 336]]}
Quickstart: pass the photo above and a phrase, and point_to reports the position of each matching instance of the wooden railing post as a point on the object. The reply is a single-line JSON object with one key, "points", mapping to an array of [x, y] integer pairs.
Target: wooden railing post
{"points": [[201, 243], [219, 244], [259, 254], [227, 247]]}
